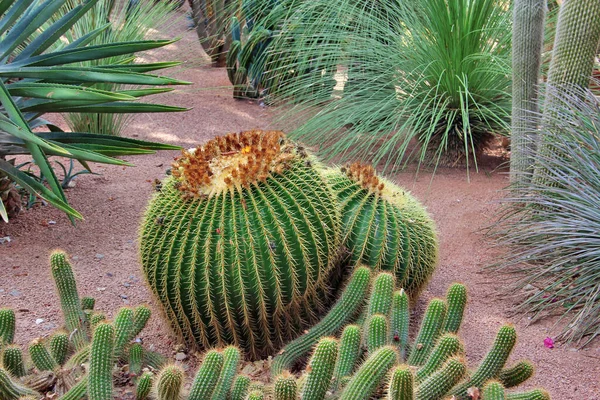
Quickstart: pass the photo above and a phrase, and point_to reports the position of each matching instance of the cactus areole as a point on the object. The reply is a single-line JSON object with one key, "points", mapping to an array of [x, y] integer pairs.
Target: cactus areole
{"points": [[238, 244]]}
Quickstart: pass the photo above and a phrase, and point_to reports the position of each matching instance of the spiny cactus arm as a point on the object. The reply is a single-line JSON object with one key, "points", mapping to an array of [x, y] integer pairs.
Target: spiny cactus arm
{"points": [[320, 369], [436, 387], [256, 395], [7, 326], [401, 384], [382, 291], [144, 386], [207, 376], [100, 381], [77, 392], [517, 374], [535, 394], [456, 298], [348, 305], [285, 387], [493, 363], [348, 354], [527, 42], [80, 357], [231, 360], [59, 346], [88, 303], [96, 318], [141, 315], [40, 356], [154, 359], [11, 390], [377, 332], [368, 377], [239, 390], [399, 322], [136, 358], [69, 298], [170, 383], [447, 346], [493, 390], [123, 324], [12, 360], [430, 331]]}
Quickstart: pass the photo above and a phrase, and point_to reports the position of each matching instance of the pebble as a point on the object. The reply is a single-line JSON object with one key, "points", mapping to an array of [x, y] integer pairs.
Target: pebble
{"points": [[49, 326], [123, 296], [5, 239], [529, 287], [101, 289], [180, 356], [15, 293], [126, 284], [75, 257], [51, 222], [109, 274], [1, 290], [99, 256], [39, 321]]}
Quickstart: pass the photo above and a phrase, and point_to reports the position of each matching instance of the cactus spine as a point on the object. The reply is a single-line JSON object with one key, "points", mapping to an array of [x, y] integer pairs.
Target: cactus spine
{"points": [[69, 298], [514, 376], [240, 388], [493, 390], [438, 384], [431, 327], [123, 329], [144, 386], [244, 227], [286, 387], [348, 354], [231, 360], [100, 384], [12, 360], [320, 369], [40, 356], [401, 384], [207, 376], [170, 383], [386, 228], [377, 334], [59, 347], [370, 374]]}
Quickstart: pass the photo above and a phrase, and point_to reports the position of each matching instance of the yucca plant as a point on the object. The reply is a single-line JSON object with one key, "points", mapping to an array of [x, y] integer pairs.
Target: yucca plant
{"points": [[35, 80], [551, 228], [436, 71], [128, 21]]}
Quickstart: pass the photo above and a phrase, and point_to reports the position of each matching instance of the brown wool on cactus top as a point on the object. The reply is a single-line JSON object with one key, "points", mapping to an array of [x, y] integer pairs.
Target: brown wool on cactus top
{"points": [[234, 160], [365, 175]]}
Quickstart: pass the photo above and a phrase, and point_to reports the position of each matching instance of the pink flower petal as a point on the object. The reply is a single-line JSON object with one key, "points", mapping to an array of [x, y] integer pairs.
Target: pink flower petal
{"points": [[549, 343]]}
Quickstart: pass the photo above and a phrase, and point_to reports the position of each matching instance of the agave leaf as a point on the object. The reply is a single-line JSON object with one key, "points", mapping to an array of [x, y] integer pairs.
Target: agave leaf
{"points": [[3, 212], [103, 140], [118, 107], [140, 68], [64, 92], [15, 12]]}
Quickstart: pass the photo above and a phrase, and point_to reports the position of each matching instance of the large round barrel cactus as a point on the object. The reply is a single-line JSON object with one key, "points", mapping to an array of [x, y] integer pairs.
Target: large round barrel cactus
{"points": [[384, 226], [240, 241]]}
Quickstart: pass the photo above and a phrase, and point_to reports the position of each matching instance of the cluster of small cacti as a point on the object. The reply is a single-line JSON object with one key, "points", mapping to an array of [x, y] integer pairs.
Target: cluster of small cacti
{"points": [[243, 244], [57, 364]]}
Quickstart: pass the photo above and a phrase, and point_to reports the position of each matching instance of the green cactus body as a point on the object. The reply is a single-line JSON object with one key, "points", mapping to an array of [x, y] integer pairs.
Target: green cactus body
{"points": [[144, 386], [100, 381], [78, 358], [493, 363], [535, 394], [447, 346], [59, 347], [377, 332], [123, 328], [285, 387], [380, 301], [154, 359], [386, 227], [69, 298], [40, 356], [136, 358], [256, 395], [141, 316], [345, 308], [456, 298], [348, 354], [401, 384], [77, 392], [436, 387], [170, 383], [430, 331], [12, 360], [320, 369], [493, 390], [400, 322], [240, 243], [231, 360], [10, 390], [515, 375], [240, 388], [88, 303], [96, 318], [368, 377], [207, 376], [7, 326]]}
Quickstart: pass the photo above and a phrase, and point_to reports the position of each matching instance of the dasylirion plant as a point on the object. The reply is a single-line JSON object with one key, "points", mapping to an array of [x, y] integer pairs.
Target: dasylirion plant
{"points": [[79, 360], [384, 226], [239, 243]]}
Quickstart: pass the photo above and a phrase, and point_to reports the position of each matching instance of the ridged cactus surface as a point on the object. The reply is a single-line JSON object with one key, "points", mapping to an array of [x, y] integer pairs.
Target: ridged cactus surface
{"points": [[100, 383], [384, 226], [239, 244]]}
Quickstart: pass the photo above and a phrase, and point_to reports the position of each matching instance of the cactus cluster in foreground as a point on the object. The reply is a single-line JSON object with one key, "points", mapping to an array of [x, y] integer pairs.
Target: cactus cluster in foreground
{"points": [[55, 365], [243, 243]]}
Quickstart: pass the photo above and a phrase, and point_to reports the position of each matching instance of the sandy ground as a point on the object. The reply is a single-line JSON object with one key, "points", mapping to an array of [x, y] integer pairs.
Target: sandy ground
{"points": [[104, 246]]}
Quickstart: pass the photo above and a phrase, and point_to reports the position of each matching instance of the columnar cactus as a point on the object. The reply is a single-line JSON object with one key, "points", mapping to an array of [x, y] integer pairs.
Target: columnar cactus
{"points": [[207, 376], [385, 227], [11, 390], [239, 243], [231, 360], [100, 384], [170, 383], [59, 346], [12, 360], [7, 326], [286, 387], [320, 369]]}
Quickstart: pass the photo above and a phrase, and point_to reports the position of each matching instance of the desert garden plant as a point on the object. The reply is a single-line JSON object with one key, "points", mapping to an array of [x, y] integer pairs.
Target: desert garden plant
{"points": [[37, 80], [211, 20], [435, 71]]}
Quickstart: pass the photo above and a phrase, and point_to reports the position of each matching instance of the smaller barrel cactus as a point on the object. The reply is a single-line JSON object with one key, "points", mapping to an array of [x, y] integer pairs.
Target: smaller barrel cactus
{"points": [[385, 227]]}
